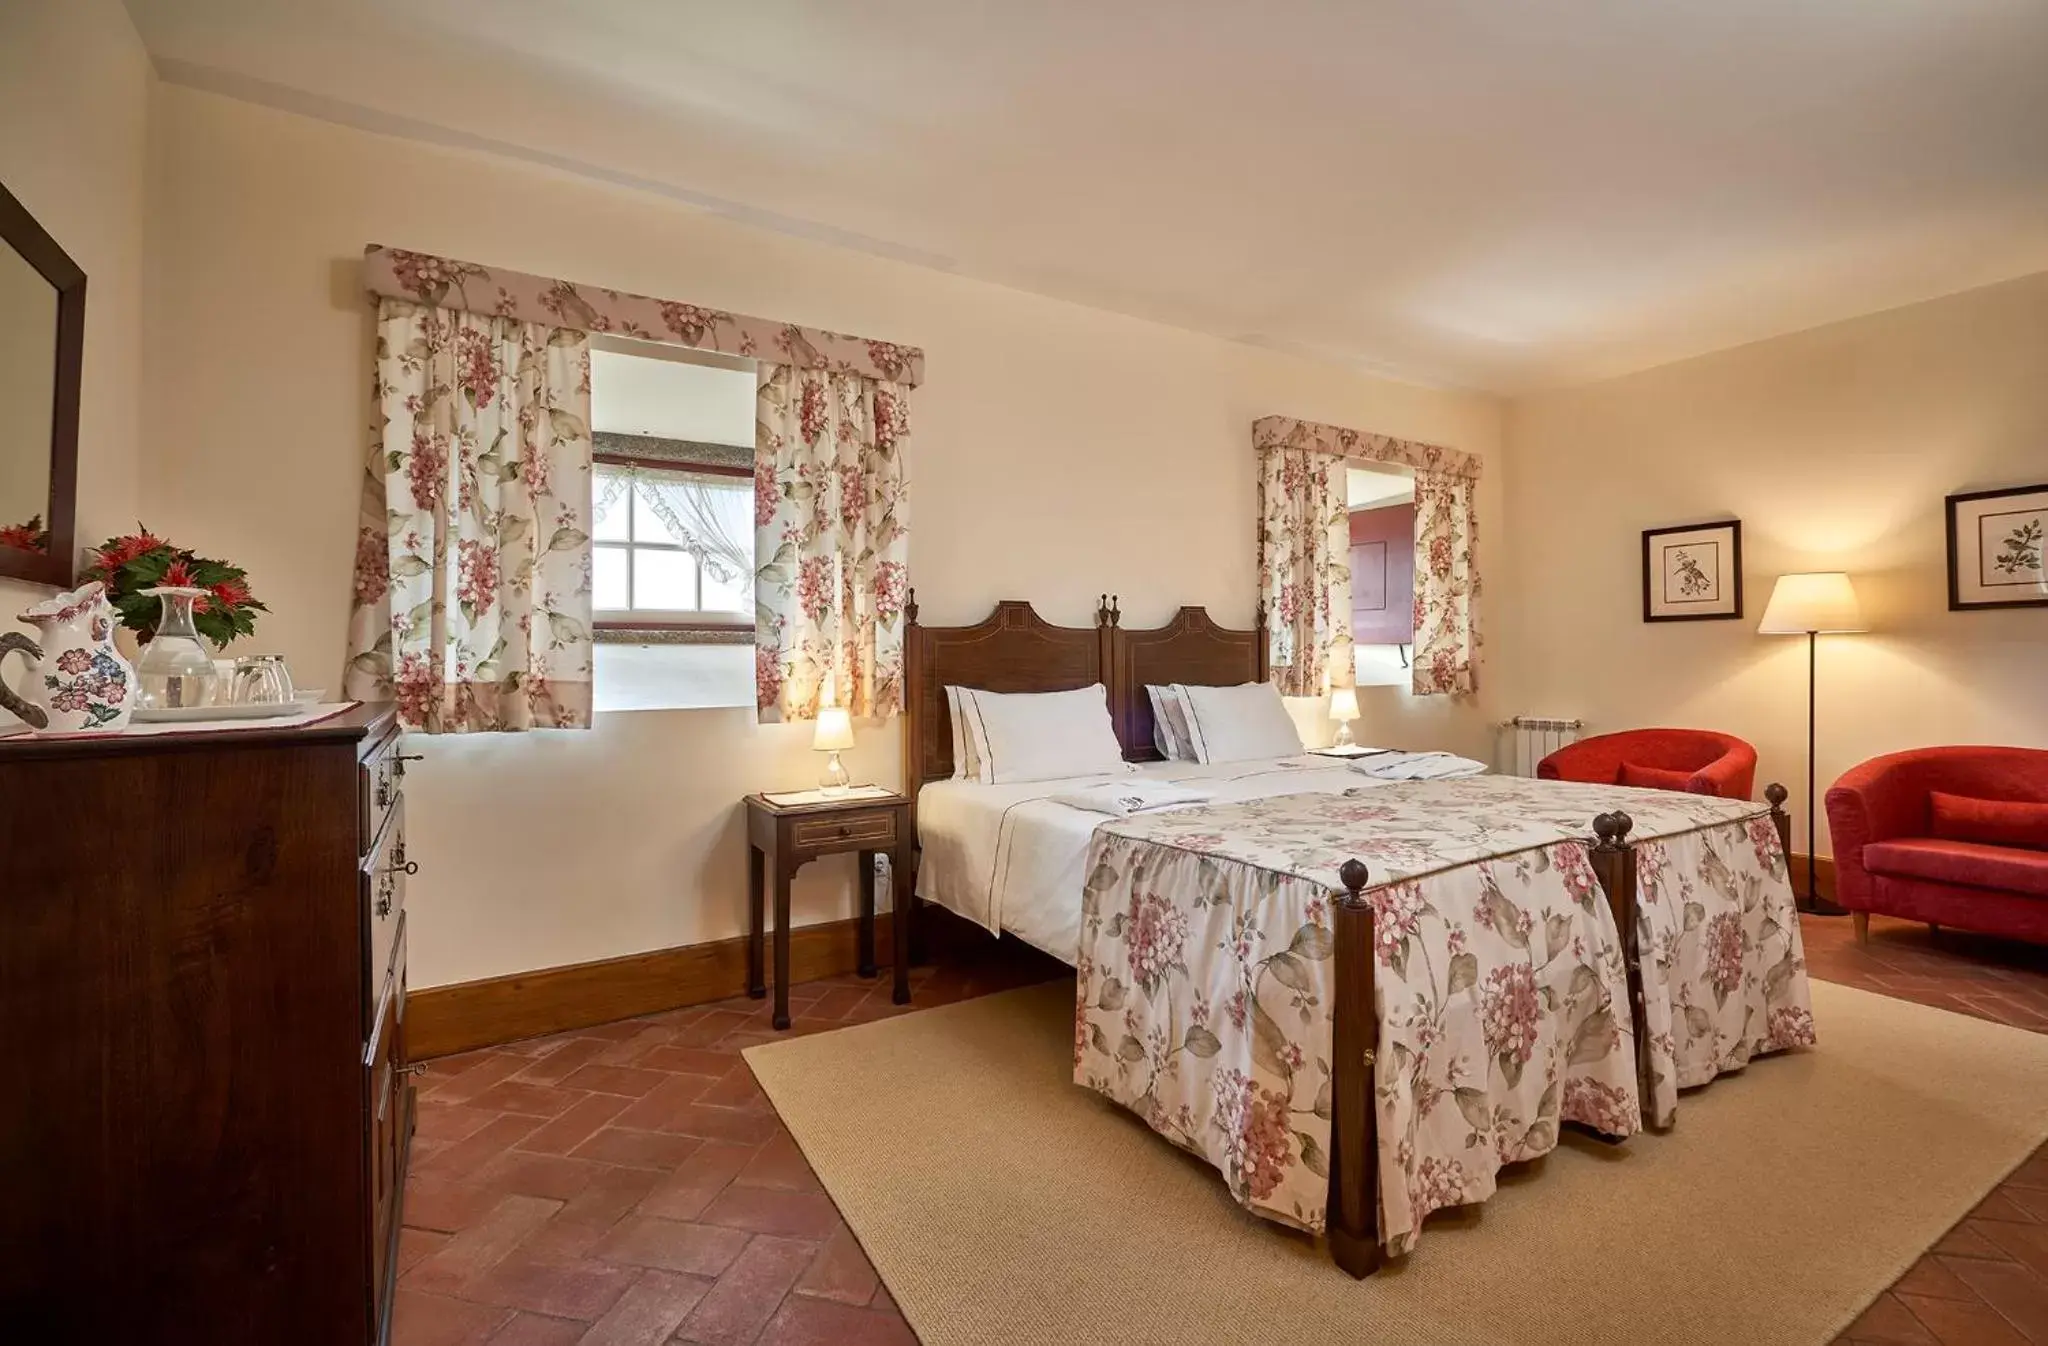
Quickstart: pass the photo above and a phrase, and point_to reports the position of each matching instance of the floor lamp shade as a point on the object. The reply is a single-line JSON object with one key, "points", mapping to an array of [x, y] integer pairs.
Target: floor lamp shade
{"points": [[1821, 602]]}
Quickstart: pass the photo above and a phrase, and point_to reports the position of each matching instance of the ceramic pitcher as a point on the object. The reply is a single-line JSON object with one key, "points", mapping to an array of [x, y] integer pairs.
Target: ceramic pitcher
{"points": [[77, 680]]}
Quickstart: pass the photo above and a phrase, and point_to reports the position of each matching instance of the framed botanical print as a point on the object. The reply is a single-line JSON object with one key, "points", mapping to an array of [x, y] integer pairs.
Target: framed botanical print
{"points": [[1693, 573], [1996, 548]]}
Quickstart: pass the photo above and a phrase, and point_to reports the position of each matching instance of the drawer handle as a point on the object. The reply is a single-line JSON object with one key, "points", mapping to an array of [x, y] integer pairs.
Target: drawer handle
{"points": [[405, 867]]}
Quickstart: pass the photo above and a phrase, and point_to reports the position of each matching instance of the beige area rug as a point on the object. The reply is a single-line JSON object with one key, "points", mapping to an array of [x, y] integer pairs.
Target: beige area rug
{"points": [[1002, 1204]]}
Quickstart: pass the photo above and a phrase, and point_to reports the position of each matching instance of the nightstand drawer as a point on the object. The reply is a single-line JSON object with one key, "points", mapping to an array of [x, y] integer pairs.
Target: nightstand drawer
{"points": [[866, 829]]}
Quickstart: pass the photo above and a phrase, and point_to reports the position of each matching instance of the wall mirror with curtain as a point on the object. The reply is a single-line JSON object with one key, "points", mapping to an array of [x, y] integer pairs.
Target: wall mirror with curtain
{"points": [[42, 345], [672, 526]]}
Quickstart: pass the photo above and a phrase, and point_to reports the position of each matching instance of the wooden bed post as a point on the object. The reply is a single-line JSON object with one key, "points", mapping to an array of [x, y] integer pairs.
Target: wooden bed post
{"points": [[900, 921], [1353, 1219], [1260, 671], [1614, 864], [1782, 820], [1107, 616]]}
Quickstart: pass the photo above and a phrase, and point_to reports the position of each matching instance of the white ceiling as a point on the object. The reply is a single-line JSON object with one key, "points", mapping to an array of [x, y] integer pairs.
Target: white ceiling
{"points": [[1475, 192]]}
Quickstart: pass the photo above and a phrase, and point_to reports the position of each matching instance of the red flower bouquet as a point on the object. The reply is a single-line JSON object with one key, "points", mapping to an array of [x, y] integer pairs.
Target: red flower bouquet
{"points": [[141, 560], [30, 536]]}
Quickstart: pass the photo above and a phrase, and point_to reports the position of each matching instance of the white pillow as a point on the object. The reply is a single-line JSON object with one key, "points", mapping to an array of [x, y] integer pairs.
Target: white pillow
{"points": [[964, 765], [1234, 724], [1029, 736], [1170, 723]]}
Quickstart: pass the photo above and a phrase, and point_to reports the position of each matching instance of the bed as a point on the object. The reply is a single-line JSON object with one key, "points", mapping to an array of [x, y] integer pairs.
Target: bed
{"points": [[1357, 1000]]}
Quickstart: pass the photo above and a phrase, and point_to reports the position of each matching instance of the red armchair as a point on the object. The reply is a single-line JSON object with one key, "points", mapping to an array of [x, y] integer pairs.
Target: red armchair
{"points": [[1698, 761], [1949, 836]]}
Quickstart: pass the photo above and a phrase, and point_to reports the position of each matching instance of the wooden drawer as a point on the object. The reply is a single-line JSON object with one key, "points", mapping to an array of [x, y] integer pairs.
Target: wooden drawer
{"points": [[387, 1098], [874, 830], [380, 786], [382, 881]]}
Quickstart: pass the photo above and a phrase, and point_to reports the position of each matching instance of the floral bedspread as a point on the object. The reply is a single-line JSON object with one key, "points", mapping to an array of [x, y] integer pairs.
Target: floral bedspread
{"points": [[1724, 971], [1206, 975]]}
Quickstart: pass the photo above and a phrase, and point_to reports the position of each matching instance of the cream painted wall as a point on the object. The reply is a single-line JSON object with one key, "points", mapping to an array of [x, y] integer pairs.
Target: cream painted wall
{"points": [[75, 88], [1834, 447], [1058, 452]]}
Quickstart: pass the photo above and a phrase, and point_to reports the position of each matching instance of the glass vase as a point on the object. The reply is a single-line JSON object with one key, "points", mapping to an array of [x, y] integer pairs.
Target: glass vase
{"points": [[175, 672]]}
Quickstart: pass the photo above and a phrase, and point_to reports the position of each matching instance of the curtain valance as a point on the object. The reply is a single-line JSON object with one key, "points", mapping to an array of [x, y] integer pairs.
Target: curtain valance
{"points": [[1287, 432], [445, 283]]}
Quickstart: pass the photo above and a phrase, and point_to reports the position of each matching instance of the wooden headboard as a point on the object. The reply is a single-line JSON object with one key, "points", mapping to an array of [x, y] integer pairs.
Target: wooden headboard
{"points": [[1191, 649], [1016, 650], [1013, 650]]}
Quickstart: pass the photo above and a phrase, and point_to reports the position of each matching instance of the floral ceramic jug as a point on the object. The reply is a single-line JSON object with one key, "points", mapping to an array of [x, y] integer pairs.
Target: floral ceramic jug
{"points": [[77, 680]]}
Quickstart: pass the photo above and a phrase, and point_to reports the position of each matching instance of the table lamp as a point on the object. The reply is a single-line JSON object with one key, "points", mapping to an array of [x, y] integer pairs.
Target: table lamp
{"points": [[834, 733], [1343, 709], [1812, 604]]}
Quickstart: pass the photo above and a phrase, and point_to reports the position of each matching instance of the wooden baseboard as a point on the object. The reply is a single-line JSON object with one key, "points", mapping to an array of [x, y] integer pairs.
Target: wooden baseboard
{"points": [[1824, 875], [442, 1020]]}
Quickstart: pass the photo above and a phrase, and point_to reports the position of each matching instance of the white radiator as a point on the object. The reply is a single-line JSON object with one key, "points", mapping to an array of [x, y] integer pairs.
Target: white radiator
{"points": [[1536, 737]]}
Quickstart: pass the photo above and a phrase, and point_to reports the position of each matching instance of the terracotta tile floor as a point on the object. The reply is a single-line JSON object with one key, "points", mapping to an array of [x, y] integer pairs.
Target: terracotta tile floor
{"points": [[631, 1184]]}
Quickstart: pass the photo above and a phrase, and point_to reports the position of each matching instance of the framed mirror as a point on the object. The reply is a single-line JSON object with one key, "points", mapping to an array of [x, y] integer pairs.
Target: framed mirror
{"points": [[42, 347]]}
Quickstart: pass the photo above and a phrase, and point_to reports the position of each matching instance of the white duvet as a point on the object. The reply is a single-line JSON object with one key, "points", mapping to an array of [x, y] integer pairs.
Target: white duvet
{"points": [[1009, 858]]}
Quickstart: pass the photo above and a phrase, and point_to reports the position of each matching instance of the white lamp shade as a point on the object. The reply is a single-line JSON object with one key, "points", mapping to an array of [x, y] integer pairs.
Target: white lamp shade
{"points": [[834, 731], [1344, 704], [1822, 601]]}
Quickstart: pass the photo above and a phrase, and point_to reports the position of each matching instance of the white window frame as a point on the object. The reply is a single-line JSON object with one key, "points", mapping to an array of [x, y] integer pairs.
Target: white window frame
{"points": [[654, 618]]}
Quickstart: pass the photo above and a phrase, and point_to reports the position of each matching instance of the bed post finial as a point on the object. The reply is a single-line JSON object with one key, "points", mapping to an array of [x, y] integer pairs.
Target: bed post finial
{"points": [[910, 607], [1612, 829], [1777, 795], [1354, 1201]]}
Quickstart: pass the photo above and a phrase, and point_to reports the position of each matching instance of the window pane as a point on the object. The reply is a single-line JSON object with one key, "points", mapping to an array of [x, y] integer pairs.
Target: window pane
{"points": [[647, 524], [734, 595], [608, 578], [665, 580], [608, 520]]}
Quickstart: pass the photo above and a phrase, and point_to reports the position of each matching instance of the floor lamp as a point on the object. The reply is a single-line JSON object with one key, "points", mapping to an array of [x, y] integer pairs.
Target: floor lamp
{"points": [[1813, 605]]}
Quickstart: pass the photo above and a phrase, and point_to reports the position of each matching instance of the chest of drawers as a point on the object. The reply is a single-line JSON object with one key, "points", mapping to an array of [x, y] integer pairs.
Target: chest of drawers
{"points": [[202, 990]]}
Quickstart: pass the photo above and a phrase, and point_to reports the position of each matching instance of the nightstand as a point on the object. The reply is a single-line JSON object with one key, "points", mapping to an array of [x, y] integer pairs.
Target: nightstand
{"points": [[781, 839]]}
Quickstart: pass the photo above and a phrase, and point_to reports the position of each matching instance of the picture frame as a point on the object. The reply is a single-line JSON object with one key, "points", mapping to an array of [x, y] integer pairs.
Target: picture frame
{"points": [[1998, 548], [1693, 572]]}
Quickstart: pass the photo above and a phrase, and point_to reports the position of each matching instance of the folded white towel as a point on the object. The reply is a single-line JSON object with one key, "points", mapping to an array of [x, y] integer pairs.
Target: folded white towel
{"points": [[1417, 766], [1120, 799]]}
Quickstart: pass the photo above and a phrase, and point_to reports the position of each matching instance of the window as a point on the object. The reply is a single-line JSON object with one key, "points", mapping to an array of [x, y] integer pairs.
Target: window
{"points": [[671, 546], [1382, 503], [672, 527]]}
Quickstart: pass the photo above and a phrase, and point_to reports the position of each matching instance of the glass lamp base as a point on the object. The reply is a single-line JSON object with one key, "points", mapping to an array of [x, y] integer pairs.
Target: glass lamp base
{"points": [[835, 780], [1343, 738]]}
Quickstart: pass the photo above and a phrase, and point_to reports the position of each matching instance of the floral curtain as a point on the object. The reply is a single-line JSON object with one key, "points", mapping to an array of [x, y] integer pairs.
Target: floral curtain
{"points": [[831, 508], [1447, 582], [472, 577], [1305, 568]]}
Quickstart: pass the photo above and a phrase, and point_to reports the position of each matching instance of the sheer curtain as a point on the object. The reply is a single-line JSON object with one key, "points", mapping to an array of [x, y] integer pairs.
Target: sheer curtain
{"points": [[710, 513]]}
